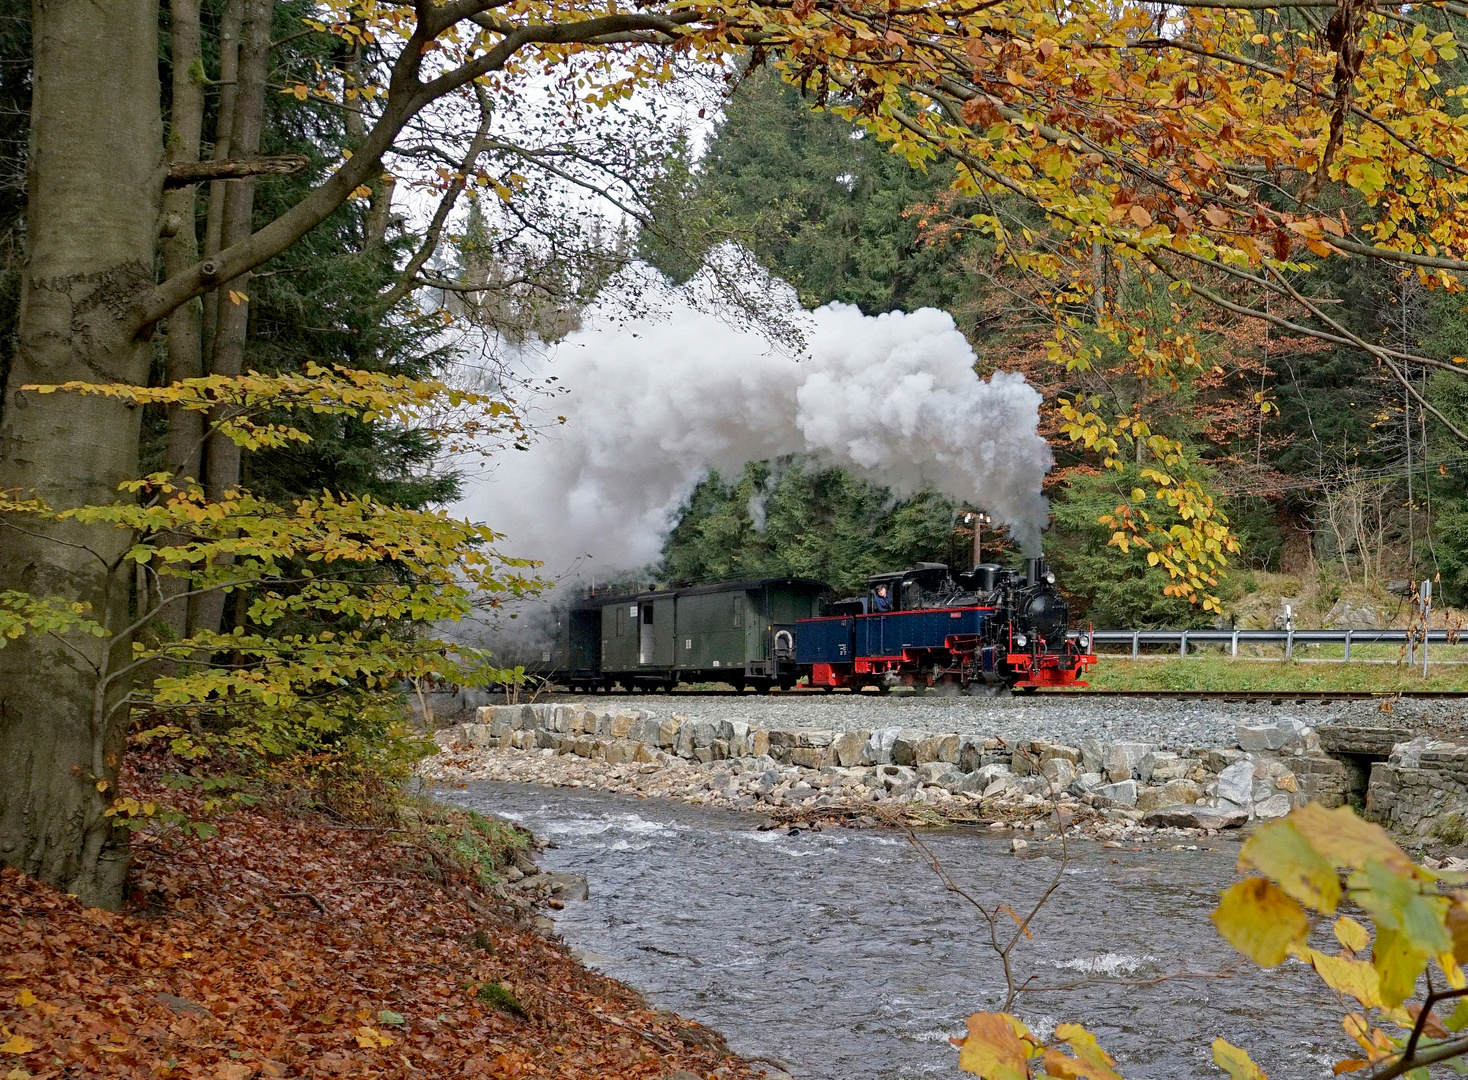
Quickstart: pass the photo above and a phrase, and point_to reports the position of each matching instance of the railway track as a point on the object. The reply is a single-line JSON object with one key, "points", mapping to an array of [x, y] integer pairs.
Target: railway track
{"points": [[1281, 696], [1278, 697]]}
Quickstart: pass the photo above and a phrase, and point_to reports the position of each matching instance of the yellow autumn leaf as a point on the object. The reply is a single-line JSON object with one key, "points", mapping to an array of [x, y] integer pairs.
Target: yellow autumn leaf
{"points": [[992, 1049], [1344, 975], [1398, 965], [1351, 934], [25, 999], [1235, 1061], [1259, 919], [1280, 851], [1090, 1061], [1343, 838], [236, 297], [371, 1038], [17, 1044]]}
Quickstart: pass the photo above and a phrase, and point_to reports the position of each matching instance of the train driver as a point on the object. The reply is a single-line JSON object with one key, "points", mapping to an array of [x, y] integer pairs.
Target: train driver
{"points": [[882, 601]]}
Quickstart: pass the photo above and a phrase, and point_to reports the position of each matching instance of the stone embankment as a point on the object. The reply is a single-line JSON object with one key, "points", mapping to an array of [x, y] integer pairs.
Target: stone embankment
{"points": [[1421, 789], [799, 773]]}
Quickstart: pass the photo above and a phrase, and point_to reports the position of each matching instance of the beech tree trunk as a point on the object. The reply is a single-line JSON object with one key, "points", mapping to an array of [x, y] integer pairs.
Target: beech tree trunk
{"points": [[233, 320], [95, 186], [229, 69], [180, 251]]}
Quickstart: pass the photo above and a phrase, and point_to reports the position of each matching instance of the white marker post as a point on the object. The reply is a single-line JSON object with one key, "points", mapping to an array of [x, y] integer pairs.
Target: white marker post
{"points": [[1426, 594]]}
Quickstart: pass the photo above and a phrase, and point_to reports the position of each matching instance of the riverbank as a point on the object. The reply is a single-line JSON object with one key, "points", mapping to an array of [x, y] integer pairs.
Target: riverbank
{"points": [[298, 946], [782, 937], [1105, 789]]}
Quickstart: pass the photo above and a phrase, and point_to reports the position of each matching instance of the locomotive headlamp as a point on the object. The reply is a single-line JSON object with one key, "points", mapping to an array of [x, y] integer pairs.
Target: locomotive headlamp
{"points": [[1021, 640], [1084, 641], [1050, 579]]}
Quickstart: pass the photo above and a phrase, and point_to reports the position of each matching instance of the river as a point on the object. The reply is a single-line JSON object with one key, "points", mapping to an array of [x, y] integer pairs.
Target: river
{"points": [[840, 955]]}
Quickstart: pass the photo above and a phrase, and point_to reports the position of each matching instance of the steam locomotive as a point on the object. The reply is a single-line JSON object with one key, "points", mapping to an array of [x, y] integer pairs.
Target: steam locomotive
{"points": [[988, 628], [927, 627]]}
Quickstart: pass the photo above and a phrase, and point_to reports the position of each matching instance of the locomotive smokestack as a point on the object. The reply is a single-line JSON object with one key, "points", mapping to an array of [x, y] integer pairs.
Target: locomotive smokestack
{"points": [[1035, 569]]}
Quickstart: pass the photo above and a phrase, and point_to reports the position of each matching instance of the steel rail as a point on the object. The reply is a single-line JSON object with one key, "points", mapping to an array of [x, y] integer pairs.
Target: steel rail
{"points": [[1181, 639]]}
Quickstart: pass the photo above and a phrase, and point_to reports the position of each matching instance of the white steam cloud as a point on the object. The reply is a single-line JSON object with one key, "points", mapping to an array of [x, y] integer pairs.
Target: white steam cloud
{"points": [[653, 405]]}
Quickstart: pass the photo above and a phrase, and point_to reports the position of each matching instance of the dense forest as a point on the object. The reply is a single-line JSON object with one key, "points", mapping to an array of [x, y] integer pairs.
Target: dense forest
{"points": [[242, 237], [1339, 478]]}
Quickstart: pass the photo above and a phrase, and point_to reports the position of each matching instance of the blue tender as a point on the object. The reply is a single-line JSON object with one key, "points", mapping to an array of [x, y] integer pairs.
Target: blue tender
{"points": [[841, 640], [824, 641], [889, 635]]}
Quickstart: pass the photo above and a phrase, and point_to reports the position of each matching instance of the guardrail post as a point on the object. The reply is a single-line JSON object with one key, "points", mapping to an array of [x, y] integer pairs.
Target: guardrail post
{"points": [[1289, 645], [1234, 646], [1347, 659], [1135, 650], [1182, 644]]}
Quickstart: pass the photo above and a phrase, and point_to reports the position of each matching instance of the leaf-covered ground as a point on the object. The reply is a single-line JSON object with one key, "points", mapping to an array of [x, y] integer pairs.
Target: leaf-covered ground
{"points": [[292, 947]]}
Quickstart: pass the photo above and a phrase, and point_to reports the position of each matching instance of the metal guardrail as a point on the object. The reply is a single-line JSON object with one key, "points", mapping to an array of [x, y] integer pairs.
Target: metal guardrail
{"points": [[1181, 639]]}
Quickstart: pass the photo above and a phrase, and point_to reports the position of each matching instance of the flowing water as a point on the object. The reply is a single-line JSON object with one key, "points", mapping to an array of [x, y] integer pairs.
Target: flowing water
{"points": [[840, 955]]}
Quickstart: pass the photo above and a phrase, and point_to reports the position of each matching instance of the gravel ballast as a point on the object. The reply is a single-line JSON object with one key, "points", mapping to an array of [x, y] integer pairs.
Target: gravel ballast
{"points": [[1173, 724]]}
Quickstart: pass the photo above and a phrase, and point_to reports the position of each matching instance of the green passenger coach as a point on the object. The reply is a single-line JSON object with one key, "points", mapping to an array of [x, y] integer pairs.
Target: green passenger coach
{"points": [[741, 633]]}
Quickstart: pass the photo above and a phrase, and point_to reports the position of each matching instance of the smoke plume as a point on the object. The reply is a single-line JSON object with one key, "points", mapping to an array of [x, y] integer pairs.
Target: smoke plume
{"points": [[652, 405]]}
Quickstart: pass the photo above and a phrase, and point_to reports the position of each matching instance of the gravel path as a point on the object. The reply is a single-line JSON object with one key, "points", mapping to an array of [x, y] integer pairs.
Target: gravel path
{"points": [[1172, 724]]}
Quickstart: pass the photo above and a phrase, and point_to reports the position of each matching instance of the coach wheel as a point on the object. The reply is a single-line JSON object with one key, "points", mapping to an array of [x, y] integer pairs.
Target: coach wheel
{"points": [[738, 685]]}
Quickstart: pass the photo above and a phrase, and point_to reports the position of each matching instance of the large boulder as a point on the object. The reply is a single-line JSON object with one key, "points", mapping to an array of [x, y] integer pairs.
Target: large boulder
{"points": [[904, 748], [1160, 766], [1219, 758], [621, 751], [1345, 615], [1276, 806], [897, 779], [737, 736], [476, 734], [1121, 760], [1195, 817], [878, 749], [1122, 794], [937, 748], [704, 732], [620, 725], [645, 731], [1093, 755], [1173, 793], [1086, 781], [1059, 771], [1282, 734], [812, 757], [942, 773], [849, 747], [1236, 784], [1053, 751]]}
